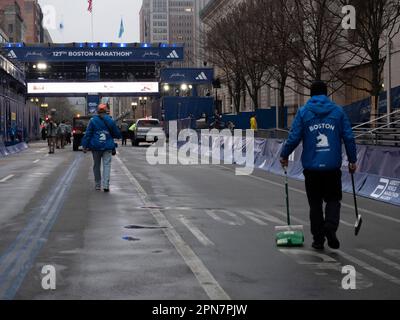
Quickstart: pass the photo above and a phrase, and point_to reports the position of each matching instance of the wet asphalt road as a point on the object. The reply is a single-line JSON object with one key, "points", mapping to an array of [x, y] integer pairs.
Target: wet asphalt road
{"points": [[176, 232]]}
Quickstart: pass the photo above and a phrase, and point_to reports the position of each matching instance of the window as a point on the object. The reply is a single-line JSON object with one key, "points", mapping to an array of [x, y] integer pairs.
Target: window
{"points": [[10, 28]]}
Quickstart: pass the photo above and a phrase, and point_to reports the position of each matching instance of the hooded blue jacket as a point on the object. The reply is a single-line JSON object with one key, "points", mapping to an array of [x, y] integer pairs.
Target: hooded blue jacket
{"points": [[322, 126], [98, 137]]}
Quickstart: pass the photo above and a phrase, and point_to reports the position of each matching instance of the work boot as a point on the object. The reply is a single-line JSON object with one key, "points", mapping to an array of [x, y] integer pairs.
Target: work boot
{"points": [[333, 241], [317, 245]]}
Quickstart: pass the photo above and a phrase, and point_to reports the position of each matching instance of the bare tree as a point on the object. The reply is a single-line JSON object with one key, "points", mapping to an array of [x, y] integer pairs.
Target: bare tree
{"points": [[378, 21], [318, 39], [221, 49], [255, 55], [277, 44], [64, 109]]}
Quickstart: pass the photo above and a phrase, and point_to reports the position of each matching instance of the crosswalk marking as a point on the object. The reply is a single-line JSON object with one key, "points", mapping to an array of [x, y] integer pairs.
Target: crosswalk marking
{"points": [[368, 267], [7, 178], [216, 215], [298, 220], [196, 232], [379, 258]]}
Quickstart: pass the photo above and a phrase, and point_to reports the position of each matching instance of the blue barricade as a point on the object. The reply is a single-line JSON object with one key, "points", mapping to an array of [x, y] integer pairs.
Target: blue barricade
{"points": [[378, 175], [5, 151], [381, 188]]}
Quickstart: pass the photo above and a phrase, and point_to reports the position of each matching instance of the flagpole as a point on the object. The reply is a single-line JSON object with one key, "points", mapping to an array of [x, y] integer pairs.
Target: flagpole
{"points": [[91, 18]]}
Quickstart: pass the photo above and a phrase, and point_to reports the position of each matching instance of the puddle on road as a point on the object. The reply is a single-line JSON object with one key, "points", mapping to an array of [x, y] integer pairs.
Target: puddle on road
{"points": [[133, 226], [128, 238]]}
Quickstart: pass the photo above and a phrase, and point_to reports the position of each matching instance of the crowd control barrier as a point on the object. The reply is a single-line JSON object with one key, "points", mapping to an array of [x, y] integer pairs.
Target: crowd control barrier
{"points": [[377, 177]]}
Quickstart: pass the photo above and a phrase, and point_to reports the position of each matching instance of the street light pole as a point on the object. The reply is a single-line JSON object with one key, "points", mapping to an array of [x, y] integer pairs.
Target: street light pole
{"points": [[277, 107], [389, 78]]}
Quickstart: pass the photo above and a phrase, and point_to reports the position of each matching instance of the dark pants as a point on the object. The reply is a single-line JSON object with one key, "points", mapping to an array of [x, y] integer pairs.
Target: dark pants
{"points": [[324, 186], [125, 136]]}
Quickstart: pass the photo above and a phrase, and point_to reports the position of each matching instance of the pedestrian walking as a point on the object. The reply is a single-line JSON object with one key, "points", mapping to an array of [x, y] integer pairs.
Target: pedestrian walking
{"points": [[322, 126], [43, 130], [125, 132], [51, 130], [99, 138], [68, 133], [61, 134]]}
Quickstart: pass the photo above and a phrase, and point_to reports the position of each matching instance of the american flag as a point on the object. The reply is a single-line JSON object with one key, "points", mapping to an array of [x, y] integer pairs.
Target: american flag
{"points": [[90, 7]]}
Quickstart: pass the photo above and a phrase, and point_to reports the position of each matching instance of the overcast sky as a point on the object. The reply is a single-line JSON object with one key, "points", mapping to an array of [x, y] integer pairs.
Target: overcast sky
{"points": [[76, 20]]}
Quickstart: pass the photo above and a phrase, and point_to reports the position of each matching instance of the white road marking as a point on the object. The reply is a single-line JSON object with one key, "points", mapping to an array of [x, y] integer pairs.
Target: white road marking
{"points": [[303, 192], [346, 223], [261, 217], [216, 215], [196, 232], [7, 178], [36, 161], [395, 253], [207, 281], [368, 267], [270, 217], [283, 214], [324, 263], [379, 258], [250, 215]]}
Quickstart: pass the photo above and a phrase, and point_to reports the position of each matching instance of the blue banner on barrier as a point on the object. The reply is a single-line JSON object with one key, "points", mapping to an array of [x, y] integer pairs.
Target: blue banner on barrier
{"points": [[381, 188], [359, 180], [381, 161], [369, 180], [5, 151]]}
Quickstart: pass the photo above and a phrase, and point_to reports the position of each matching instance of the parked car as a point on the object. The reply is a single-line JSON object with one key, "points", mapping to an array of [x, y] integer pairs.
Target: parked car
{"points": [[146, 130]]}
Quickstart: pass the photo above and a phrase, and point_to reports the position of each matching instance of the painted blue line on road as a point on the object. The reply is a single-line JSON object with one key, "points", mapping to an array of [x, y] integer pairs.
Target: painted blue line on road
{"points": [[18, 259]]}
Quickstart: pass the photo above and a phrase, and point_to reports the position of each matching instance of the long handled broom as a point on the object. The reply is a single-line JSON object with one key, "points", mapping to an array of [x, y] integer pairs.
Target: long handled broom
{"points": [[359, 221], [289, 236]]}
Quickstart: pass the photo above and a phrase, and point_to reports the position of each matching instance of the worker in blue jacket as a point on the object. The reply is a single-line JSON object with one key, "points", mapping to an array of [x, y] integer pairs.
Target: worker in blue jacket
{"points": [[322, 126], [99, 138]]}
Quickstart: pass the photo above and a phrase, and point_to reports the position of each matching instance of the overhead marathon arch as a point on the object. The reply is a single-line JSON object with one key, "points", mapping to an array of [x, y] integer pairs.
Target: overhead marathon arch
{"points": [[92, 69]]}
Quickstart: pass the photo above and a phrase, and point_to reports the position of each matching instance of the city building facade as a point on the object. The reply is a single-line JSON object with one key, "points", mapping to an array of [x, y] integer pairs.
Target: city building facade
{"points": [[168, 21], [11, 20], [22, 20]]}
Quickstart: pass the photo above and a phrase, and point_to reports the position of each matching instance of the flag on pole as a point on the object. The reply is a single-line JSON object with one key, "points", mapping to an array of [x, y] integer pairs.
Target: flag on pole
{"points": [[90, 5], [121, 29]]}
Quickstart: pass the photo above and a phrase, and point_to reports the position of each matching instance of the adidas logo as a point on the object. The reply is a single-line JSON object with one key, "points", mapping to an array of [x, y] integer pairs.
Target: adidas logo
{"points": [[173, 55], [202, 76], [12, 54]]}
